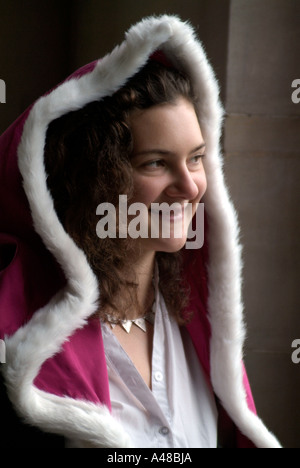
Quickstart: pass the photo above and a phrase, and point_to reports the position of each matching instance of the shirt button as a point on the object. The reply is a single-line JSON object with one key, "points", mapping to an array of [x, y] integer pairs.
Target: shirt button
{"points": [[164, 431], [158, 376]]}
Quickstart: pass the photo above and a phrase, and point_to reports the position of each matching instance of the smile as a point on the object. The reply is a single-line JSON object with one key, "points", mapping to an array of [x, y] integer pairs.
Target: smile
{"points": [[161, 220], [174, 212], [169, 214]]}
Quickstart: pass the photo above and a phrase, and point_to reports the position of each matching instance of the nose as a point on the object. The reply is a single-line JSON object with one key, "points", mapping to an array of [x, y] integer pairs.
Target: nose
{"points": [[186, 185]]}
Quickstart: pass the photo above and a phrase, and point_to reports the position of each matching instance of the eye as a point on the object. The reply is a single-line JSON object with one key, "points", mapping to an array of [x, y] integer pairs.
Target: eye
{"points": [[195, 160], [154, 164]]}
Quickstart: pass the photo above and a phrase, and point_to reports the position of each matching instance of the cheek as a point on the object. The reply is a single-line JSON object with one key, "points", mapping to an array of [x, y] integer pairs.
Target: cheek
{"points": [[146, 189]]}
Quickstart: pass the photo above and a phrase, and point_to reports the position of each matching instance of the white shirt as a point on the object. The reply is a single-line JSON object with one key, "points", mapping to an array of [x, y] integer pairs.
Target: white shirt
{"points": [[180, 410]]}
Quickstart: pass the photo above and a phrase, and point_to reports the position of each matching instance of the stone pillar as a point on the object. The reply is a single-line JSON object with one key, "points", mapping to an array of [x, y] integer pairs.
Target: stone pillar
{"points": [[262, 162]]}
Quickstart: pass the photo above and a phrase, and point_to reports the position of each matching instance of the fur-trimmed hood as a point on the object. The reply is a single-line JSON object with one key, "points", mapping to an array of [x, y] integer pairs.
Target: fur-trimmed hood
{"points": [[48, 291]]}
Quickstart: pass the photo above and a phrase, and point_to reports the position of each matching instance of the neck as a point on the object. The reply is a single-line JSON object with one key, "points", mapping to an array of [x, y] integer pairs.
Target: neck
{"points": [[143, 269]]}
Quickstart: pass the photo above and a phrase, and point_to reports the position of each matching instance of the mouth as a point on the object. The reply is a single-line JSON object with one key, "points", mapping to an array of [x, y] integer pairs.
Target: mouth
{"points": [[173, 213], [177, 215]]}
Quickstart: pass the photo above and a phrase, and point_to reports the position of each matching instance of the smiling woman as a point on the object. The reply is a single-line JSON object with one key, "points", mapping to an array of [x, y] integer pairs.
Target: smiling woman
{"points": [[154, 107], [172, 133], [125, 341], [151, 128]]}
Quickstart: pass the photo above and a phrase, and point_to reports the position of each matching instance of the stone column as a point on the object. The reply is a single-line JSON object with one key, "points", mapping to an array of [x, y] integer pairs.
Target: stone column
{"points": [[262, 162]]}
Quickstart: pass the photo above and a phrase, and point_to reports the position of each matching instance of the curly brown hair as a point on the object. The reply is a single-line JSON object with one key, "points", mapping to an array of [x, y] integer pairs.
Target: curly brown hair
{"points": [[87, 161]]}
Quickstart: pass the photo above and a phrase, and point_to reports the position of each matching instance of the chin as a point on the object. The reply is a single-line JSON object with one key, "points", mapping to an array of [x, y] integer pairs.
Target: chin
{"points": [[170, 245]]}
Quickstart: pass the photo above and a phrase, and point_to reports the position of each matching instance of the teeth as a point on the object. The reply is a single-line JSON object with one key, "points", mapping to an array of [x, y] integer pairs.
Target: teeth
{"points": [[168, 211]]}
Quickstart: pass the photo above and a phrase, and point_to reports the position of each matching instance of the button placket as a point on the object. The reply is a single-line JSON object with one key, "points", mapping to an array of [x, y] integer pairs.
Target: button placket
{"points": [[159, 385]]}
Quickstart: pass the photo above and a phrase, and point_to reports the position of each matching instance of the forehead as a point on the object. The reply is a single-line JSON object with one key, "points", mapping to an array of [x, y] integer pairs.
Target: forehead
{"points": [[166, 126]]}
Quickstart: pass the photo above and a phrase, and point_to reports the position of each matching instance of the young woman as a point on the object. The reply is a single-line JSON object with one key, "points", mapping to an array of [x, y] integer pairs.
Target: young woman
{"points": [[119, 335]]}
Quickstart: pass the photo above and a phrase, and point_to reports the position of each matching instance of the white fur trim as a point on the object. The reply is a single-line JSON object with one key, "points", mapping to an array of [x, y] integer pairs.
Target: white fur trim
{"points": [[44, 335]]}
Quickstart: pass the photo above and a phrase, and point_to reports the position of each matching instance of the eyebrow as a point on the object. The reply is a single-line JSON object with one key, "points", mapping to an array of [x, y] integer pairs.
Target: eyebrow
{"points": [[165, 152]]}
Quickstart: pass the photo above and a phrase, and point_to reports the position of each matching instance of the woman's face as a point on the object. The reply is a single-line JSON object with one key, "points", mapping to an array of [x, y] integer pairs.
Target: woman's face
{"points": [[168, 148]]}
